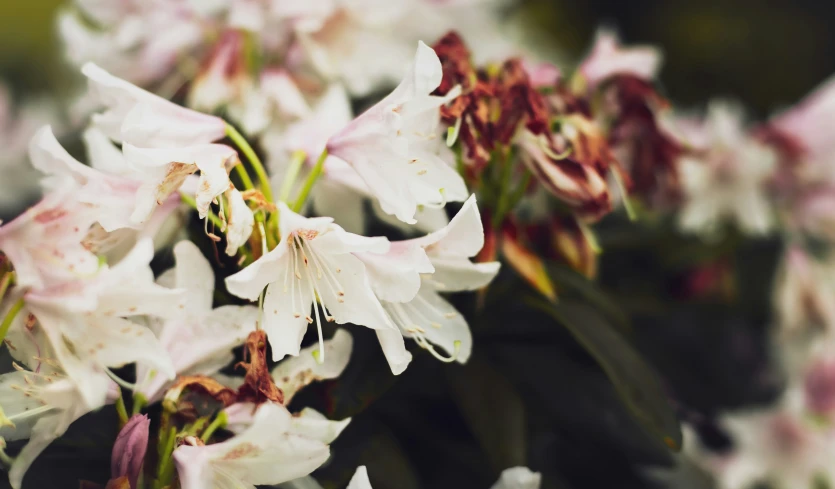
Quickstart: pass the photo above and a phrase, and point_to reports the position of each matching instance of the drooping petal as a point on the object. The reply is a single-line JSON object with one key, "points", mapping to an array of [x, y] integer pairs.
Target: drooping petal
{"points": [[394, 348], [287, 314], [250, 281], [194, 274], [241, 221], [141, 118], [518, 478], [360, 479]]}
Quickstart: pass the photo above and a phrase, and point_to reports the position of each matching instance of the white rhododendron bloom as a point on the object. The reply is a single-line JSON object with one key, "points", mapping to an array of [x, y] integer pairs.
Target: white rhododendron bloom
{"points": [[201, 339], [275, 448], [443, 265], [294, 373], [726, 179], [396, 148], [87, 321], [313, 265], [38, 402]]}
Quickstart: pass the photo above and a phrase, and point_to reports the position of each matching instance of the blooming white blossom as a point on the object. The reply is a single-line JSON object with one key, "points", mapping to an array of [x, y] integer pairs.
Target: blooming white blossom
{"points": [[395, 146], [85, 321], [314, 261], [726, 178], [38, 402], [275, 448], [294, 373], [201, 339], [410, 286]]}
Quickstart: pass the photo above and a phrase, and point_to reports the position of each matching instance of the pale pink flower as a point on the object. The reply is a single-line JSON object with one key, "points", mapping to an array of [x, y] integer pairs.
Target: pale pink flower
{"points": [[276, 447], [395, 146], [608, 58], [804, 293]]}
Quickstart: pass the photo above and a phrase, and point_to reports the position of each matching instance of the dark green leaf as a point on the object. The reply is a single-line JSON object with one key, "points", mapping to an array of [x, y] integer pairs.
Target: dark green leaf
{"points": [[634, 380]]}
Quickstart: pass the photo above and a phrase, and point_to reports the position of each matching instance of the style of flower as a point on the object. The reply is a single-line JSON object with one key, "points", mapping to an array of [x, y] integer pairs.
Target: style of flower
{"points": [[199, 340], [314, 261], [410, 278], [395, 146], [725, 177], [275, 448]]}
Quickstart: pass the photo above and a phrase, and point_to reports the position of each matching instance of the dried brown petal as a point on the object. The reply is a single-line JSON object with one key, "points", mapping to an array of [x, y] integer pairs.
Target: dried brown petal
{"points": [[259, 385]]}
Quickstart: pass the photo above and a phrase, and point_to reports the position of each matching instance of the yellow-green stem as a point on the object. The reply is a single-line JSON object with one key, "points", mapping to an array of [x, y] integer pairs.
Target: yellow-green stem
{"points": [[247, 150], [188, 199], [9, 319], [219, 422], [121, 410], [311, 179], [296, 162], [4, 284]]}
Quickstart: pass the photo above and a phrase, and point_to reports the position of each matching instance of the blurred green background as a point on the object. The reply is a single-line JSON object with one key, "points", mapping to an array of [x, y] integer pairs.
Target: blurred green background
{"points": [[767, 53]]}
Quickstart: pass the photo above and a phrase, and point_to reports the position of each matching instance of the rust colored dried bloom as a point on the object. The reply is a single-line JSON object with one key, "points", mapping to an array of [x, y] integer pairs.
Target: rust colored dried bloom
{"points": [[648, 152], [259, 385], [520, 103], [129, 451], [120, 483], [188, 395]]}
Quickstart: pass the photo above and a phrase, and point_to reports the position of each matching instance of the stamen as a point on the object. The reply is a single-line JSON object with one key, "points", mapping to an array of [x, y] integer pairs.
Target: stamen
{"points": [[315, 311]]}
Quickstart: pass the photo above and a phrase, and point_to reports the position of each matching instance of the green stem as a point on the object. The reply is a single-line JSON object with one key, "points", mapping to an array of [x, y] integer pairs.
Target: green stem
{"points": [[4, 284], [139, 402], [165, 467], [188, 199], [311, 179], [219, 422], [9, 319], [247, 150], [296, 163], [121, 410]]}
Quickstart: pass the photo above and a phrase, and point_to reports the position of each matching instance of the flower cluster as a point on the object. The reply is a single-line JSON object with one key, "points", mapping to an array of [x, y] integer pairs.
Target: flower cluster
{"points": [[480, 155]]}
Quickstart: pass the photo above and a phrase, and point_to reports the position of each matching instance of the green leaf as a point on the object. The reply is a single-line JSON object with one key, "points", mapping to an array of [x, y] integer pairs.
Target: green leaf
{"points": [[634, 380], [493, 411], [588, 290]]}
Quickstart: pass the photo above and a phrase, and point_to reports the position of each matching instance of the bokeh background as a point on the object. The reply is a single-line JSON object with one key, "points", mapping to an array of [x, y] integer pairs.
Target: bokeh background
{"points": [[766, 53]]}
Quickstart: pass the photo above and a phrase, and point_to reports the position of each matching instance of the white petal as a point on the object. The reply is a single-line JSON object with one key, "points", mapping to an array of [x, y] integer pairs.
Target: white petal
{"points": [[394, 348], [395, 276], [194, 274], [285, 313], [360, 479], [241, 222], [463, 236], [358, 304], [518, 478], [294, 373], [250, 281], [457, 274], [440, 323], [313, 425]]}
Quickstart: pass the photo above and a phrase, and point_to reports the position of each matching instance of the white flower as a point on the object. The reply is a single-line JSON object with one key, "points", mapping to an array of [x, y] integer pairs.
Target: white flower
{"points": [[360, 479], [518, 478], [85, 321], [275, 448], [314, 260], [240, 221], [804, 292], [140, 118], [395, 146], [39, 403], [200, 341], [726, 178], [779, 445], [427, 316]]}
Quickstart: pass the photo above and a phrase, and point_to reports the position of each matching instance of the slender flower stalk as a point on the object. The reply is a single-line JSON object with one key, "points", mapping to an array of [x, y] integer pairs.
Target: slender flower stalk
{"points": [[311, 180], [241, 142], [9, 319]]}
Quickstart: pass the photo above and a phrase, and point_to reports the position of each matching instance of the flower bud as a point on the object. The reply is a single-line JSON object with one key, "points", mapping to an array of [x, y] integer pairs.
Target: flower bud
{"points": [[129, 449]]}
